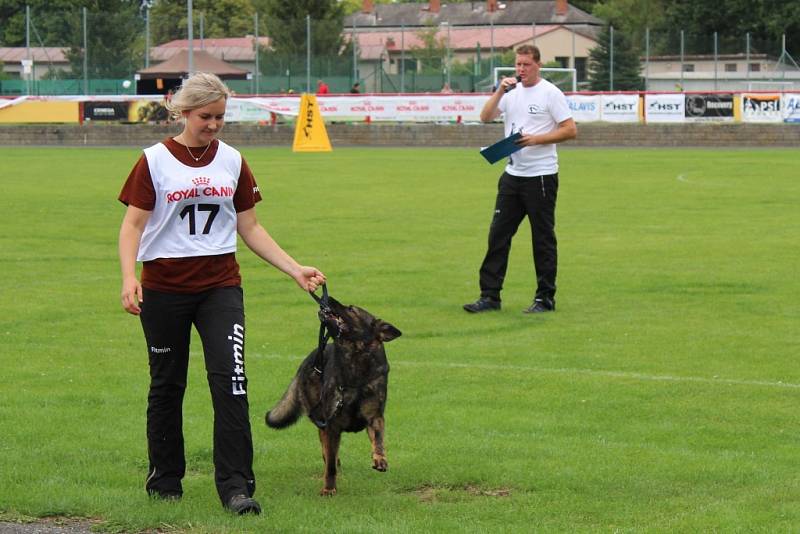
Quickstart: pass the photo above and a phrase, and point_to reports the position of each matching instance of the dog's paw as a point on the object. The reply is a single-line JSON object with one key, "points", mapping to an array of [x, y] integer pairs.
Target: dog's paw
{"points": [[325, 492], [380, 464]]}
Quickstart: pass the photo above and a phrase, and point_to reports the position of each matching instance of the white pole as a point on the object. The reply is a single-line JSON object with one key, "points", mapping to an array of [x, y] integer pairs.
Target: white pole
{"points": [[747, 58], [255, 45], [716, 55], [85, 56], [308, 53], [611, 60], [147, 37], [403, 58], [190, 25], [28, 46], [646, 58], [354, 42], [681, 60]]}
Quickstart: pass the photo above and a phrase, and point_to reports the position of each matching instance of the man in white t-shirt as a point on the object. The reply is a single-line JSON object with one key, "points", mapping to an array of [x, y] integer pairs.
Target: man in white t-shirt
{"points": [[539, 111]]}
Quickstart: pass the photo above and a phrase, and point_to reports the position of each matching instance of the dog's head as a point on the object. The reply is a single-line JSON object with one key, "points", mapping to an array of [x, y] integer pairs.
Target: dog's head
{"points": [[355, 324]]}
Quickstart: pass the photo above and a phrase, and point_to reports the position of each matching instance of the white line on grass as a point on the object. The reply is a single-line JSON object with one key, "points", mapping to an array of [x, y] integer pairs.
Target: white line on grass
{"points": [[682, 178], [573, 371]]}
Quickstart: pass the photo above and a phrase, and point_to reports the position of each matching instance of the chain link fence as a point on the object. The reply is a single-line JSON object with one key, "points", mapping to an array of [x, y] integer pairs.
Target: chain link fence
{"points": [[113, 53]]}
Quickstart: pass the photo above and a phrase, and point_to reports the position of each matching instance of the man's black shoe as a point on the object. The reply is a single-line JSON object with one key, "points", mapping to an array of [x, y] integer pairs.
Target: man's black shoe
{"points": [[242, 504], [482, 304], [541, 305]]}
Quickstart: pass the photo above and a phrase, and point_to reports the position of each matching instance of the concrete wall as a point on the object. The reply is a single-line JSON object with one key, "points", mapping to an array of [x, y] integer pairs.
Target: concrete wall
{"points": [[401, 135]]}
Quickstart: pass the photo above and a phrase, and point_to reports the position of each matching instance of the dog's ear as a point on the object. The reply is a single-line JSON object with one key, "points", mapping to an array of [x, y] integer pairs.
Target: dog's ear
{"points": [[387, 332]]}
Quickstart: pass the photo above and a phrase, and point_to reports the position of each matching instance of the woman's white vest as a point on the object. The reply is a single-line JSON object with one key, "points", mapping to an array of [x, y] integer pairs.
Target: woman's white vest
{"points": [[194, 213]]}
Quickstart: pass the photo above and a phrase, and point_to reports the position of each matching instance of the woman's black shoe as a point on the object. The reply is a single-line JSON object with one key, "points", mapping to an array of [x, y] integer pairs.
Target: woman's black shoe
{"points": [[482, 304], [242, 504]]}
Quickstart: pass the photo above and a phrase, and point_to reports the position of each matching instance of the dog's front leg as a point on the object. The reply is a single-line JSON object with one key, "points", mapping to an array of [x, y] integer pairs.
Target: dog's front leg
{"points": [[375, 430], [330, 440]]}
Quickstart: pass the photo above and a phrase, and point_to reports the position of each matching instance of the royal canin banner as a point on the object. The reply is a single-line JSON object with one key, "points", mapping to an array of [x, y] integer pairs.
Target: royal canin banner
{"points": [[424, 108], [420, 108]]}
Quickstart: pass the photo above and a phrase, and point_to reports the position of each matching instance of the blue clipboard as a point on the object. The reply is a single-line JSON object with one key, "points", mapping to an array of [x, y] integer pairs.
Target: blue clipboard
{"points": [[502, 149]]}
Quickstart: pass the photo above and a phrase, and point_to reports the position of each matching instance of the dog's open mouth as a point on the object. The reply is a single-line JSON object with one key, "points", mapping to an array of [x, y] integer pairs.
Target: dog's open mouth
{"points": [[333, 322]]}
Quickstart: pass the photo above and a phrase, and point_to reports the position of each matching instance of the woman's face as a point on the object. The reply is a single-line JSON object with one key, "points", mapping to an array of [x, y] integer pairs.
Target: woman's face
{"points": [[203, 124]]}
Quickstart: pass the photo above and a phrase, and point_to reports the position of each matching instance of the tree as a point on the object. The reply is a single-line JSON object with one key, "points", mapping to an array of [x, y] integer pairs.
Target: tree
{"points": [[765, 20], [113, 29], [627, 66], [286, 26], [632, 17], [431, 54], [221, 18], [48, 19]]}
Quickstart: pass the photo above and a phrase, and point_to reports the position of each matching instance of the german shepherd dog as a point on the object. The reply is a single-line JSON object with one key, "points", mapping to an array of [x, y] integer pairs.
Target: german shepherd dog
{"points": [[342, 388]]}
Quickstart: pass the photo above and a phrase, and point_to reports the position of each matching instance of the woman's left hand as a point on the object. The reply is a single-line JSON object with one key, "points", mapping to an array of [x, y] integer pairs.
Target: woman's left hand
{"points": [[309, 278]]}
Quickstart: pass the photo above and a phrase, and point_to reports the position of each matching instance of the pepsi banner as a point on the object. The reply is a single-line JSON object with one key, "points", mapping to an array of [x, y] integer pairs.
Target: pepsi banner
{"points": [[709, 107]]}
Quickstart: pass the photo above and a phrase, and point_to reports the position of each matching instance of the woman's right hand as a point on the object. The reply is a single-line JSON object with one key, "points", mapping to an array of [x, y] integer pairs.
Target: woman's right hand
{"points": [[131, 295]]}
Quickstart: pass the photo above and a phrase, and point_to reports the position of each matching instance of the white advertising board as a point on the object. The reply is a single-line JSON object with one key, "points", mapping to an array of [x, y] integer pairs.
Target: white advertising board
{"points": [[585, 108], [790, 107], [619, 108], [420, 108], [761, 107], [667, 107]]}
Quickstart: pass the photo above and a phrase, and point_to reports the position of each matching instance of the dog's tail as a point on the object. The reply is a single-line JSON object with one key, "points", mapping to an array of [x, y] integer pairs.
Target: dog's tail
{"points": [[288, 410]]}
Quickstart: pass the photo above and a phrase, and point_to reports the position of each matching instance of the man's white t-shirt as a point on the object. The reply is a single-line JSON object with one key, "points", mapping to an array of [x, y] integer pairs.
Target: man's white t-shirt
{"points": [[534, 110]]}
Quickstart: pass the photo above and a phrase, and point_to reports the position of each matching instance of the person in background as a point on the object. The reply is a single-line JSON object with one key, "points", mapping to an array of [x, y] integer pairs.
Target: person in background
{"points": [[322, 88], [539, 111], [356, 88], [187, 198]]}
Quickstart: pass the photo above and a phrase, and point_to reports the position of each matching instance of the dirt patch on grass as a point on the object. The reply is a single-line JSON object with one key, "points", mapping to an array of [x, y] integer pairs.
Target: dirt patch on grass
{"points": [[434, 492], [51, 525]]}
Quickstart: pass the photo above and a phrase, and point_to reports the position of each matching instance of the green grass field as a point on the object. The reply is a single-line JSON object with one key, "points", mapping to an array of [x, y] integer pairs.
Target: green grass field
{"points": [[662, 396]]}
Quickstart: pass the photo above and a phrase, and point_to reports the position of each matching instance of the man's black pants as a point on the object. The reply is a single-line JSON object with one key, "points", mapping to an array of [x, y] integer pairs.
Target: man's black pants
{"points": [[516, 198], [218, 315]]}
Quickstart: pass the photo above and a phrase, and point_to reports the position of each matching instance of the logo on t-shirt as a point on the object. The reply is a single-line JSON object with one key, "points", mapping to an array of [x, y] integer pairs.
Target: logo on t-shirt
{"points": [[536, 109], [202, 189]]}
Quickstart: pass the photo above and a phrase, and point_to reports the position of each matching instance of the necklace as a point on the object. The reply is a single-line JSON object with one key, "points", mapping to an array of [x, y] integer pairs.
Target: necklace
{"points": [[201, 155]]}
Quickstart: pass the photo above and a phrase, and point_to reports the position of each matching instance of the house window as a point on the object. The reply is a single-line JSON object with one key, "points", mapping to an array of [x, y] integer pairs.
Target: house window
{"points": [[408, 65], [755, 67], [563, 62], [688, 67], [730, 67], [580, 68]]}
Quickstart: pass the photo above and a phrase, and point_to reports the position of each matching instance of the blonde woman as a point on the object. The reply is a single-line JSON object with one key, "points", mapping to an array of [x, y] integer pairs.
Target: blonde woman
{"points": [[187, 198]]}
